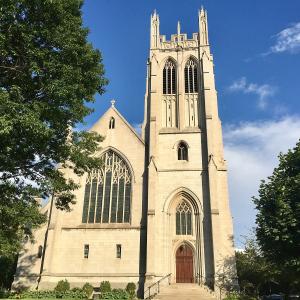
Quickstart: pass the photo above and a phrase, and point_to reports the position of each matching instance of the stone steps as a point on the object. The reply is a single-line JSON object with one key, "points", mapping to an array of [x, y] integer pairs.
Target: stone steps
{"points": [[184, 291]]}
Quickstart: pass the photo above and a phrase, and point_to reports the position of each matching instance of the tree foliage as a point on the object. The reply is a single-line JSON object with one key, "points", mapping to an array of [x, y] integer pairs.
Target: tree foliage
{"points": [[48, 74], [255, 274], [62, 286], [105, 287], [7, 271], [278, 216]]}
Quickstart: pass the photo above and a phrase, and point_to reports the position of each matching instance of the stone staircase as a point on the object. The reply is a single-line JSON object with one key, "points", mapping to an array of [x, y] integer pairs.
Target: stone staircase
{"points": [[185, 291]]}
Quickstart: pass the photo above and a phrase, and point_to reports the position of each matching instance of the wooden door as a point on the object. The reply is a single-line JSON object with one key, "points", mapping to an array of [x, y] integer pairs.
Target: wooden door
{"points": [[184, 264]]}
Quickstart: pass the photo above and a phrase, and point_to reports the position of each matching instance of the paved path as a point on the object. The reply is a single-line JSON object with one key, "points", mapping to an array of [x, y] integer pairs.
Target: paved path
{"points": [[184, 291]]}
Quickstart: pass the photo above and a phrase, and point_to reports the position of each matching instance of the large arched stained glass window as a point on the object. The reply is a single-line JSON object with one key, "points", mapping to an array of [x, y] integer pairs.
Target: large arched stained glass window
{"points": [[183, 218], [107, 197]]}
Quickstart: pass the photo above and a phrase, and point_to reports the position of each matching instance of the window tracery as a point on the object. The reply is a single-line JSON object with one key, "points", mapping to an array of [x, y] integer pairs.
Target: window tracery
{"points": [[182, 151], [191, 77], [191, 84], [183, 218], [169, 78], [169, 99], [107, 197]]}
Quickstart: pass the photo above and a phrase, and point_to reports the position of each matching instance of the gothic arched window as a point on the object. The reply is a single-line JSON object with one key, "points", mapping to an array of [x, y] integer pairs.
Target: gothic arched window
{"points": [[182, 151], [183, 218], [107, 197], [169, 78], [191, 77], [112, 123]]}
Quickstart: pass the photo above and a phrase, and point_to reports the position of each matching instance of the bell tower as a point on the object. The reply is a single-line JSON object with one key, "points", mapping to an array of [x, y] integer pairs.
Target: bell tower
{"points": [[187, 196]]}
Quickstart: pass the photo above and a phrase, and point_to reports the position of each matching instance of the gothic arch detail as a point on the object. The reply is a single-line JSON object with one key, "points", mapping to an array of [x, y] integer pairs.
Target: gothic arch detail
{"points": [[182, 151], [191, 89], [169, 91], [169, 78], [184, 218], [107, 197], [187, 194], [191, 76]]}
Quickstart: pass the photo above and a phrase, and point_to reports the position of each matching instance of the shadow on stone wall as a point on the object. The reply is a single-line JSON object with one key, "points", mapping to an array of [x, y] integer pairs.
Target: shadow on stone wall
{"points": [[24, 278], [226, 277]]}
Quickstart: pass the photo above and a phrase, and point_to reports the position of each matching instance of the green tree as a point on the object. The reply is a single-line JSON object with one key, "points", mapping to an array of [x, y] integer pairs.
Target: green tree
{"points": [[255, 274], [7, 271], [278, 216], [48, 75]]}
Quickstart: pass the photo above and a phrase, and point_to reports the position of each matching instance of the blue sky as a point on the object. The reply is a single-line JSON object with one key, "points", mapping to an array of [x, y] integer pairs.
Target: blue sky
{"points": [[256, 48]]}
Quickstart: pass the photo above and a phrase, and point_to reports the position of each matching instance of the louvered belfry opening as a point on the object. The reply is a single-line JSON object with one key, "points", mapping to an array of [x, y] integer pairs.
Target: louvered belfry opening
{"points": [[191, 77], [191, 88], [169, 78], [169, 94], [107, 197]]}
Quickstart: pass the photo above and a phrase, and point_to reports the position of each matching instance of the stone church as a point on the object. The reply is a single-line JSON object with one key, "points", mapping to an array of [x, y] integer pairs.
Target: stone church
{"points": [[159, 206]]}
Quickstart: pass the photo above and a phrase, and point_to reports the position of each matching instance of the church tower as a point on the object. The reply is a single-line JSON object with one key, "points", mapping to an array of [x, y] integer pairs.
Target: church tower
{"points": [[158, 206], [189, 225]]}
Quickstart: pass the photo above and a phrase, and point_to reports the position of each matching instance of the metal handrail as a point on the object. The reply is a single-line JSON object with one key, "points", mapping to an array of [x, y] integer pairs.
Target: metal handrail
{"points": [[156, 284]]}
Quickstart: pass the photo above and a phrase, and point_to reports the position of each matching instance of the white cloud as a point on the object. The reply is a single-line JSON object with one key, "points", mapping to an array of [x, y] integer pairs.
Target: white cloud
{"points": [[287, 40], [263, 91], [251, 150]]}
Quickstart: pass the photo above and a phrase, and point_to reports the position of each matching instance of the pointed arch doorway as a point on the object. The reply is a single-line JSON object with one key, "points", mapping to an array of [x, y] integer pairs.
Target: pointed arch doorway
{"points": [[184, 264]]}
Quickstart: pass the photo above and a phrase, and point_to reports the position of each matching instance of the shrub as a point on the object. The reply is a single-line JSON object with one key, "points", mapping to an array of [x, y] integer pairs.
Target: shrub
{"points": [[232, 296], [76, 289], [238, 296], [116, 294], [88, 289], [130, 288], [75, 293], [62, 286], [4, 293], [34, 294], [105, 287]]}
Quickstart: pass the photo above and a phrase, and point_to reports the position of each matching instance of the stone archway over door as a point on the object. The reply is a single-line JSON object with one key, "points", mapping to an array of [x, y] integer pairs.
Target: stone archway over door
{"points": [[184, 264]]}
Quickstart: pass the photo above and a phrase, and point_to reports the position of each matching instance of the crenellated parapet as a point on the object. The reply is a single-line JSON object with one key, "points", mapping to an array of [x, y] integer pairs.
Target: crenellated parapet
{"points": [[179, 40]]}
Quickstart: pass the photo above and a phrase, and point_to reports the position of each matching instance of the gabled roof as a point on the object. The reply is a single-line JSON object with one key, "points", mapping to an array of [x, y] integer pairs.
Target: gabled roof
{"points": [[113, 108]]}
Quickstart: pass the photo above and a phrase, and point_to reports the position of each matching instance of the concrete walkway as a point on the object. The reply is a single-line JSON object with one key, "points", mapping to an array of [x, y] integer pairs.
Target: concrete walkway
{"points": [[184, 291]]}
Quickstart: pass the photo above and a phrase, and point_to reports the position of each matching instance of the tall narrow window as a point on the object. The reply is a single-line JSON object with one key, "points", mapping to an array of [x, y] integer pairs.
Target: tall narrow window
{"points": [[169, 97], [191, 77], [118, 251], [183, 219], [112, 123], [40, 251], [86, 251], [182, 151], [169, 78], [107, 197], [191, 88]]}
